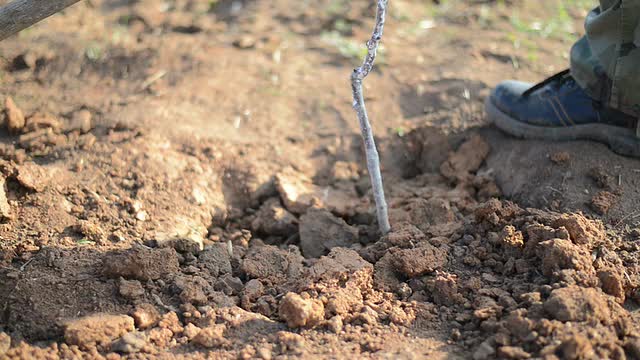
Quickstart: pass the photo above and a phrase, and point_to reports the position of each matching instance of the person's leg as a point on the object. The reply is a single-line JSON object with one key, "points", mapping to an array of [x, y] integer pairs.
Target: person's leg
{"points": [[598, 99], [606, 61]]}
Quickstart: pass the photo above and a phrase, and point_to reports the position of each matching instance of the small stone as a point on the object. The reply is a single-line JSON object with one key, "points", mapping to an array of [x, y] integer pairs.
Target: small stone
{"points": [[81, 121], [97, 330], [130, 343], [13, 117], [145, 316], [299, 312], [5, 343]]}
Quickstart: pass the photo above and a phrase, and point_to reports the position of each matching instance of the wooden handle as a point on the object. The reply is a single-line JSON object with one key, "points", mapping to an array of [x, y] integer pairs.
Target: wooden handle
{"points": [[20, 14]]}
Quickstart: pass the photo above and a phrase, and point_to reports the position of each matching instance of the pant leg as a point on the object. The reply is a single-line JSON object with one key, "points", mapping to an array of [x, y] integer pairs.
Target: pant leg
{"points": [[606, 61]]}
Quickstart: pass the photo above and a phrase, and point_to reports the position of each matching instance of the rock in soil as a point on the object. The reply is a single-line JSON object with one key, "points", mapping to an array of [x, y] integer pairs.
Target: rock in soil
{"points": [[300, 312], [321, 231], [13, 117], [97, 330], [141, 263], [5, 208]]}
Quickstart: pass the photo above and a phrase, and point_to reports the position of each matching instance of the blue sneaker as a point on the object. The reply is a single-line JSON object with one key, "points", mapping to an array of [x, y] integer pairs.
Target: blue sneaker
{"points": [[558, 109]]}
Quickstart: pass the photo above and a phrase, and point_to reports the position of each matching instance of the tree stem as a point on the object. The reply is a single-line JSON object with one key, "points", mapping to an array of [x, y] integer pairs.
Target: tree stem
{"points": [[373, 160]]}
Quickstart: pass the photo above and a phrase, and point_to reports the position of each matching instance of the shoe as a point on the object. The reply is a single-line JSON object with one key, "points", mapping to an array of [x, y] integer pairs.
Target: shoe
{"points": [[558, 109]]}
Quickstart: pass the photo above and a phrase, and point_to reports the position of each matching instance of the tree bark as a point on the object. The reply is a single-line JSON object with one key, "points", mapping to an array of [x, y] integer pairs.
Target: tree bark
{"points": [[20, 14]]}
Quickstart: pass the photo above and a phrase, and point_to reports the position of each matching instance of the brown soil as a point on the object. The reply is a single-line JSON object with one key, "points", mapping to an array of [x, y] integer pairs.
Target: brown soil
{"points": [[138, 138]]}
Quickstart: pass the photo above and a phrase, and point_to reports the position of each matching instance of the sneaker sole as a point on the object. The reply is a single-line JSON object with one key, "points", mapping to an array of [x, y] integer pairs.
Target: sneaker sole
{"points": [[620, 140]]}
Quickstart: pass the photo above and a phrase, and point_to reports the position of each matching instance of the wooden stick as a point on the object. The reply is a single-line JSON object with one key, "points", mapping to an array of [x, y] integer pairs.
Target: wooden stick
{"points": [[20, 14]]}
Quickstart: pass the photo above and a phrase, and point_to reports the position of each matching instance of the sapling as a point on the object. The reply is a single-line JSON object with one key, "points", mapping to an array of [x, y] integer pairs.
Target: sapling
{"points": [[373, 160]]}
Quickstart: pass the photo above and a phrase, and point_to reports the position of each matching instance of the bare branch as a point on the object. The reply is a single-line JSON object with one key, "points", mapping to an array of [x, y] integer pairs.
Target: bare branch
{"points": [[373, 160]]}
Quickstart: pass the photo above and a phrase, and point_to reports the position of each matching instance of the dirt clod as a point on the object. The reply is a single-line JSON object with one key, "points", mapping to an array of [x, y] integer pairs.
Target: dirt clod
{"points": [[5, 208], [211, 336], [216, 260], [320, 231], [600, 176], [131, 289], [140, 263], [419, 261], [273, 219], [5, 343], [40, 120], [13, 117], [130, 343], [602, 202], [578, 304], [466, 159], [513, 352], [145, 316], [297, 192], [300, 312], [97, 330], [271, 264], [81, 121], [33, 176]]}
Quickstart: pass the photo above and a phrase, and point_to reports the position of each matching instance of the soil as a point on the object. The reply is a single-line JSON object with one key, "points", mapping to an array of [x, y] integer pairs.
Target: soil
{"points": [[185, 180]]}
